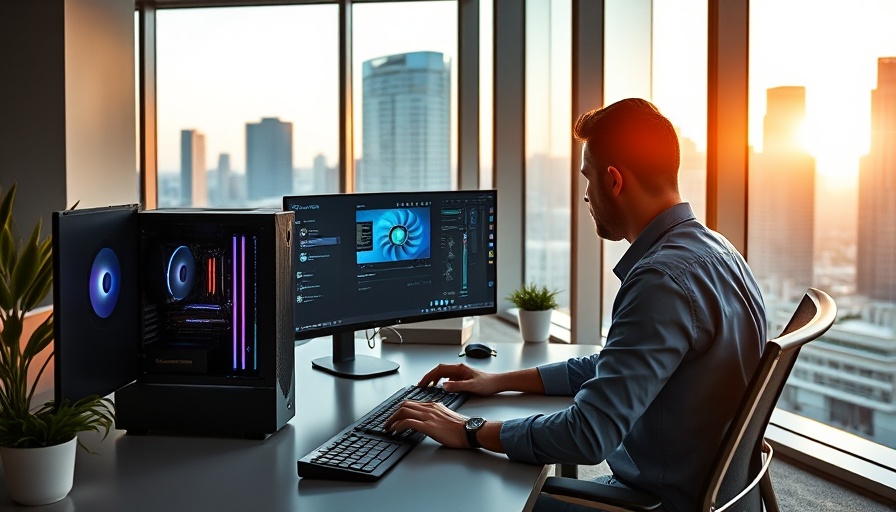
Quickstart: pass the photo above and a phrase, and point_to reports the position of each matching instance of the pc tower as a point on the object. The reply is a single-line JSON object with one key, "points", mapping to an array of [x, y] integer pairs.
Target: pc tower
{"points": [[185, 314]]}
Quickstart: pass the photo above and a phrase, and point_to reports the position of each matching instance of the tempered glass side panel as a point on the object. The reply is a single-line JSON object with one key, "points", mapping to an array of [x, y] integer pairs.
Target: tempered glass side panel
{"points": [[95, 300]]}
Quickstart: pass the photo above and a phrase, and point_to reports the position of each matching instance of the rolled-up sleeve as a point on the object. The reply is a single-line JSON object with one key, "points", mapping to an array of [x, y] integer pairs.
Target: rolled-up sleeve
{"points": [[650, 334]]}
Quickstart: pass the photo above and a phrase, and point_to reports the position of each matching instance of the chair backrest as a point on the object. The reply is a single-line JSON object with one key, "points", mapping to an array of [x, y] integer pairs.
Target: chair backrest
{"points": [[739, 458]]}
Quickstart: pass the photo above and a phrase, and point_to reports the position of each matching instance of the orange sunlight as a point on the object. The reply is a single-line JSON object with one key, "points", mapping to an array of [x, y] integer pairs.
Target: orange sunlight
{"points": [[837, 142]]}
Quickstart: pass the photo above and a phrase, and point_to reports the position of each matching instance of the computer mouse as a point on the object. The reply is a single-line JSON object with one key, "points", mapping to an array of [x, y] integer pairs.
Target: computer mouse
{"points": [[479, 350]]}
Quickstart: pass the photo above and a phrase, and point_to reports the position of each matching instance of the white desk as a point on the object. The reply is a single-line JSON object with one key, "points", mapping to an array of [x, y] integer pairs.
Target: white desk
{"points": [[203, 473]]}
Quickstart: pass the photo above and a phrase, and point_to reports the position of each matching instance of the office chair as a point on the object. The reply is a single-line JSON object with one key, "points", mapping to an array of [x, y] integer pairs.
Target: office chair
{"points": [[743, 459]]}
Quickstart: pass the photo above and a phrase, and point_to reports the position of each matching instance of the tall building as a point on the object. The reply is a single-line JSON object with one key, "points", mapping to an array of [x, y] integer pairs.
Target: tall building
{"points": [[406, 126], [781, 220], [193, 188], [224, 178], [325, 179], [268, 159], [875, 262]]}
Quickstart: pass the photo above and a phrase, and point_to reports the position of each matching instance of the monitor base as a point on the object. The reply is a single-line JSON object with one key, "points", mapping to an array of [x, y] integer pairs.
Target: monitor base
{"points": [[359, 367]]}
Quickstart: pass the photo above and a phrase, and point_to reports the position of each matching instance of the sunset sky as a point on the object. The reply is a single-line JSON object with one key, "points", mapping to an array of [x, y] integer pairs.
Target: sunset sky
{"points": [[216, 70]]}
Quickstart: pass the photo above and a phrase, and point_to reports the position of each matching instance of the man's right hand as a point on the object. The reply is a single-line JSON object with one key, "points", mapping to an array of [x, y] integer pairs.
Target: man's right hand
{"points": [[461, 377]]}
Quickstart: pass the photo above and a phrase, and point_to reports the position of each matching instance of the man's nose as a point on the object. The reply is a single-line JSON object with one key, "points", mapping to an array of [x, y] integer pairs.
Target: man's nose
{"points": [[586, 199]]}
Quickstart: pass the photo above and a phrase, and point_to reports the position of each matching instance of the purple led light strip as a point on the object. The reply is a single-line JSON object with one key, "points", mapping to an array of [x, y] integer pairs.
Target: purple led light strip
{"points": [[235, 300], [243, 301]]}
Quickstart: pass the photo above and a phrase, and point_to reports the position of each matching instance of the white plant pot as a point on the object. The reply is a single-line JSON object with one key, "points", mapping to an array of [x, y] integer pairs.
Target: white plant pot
{"points": [[39, 476], [535, 326]]}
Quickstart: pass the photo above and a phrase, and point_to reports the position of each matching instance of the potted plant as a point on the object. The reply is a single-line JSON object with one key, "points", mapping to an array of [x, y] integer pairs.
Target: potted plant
{"points": [[37, 444], [536, 304]]}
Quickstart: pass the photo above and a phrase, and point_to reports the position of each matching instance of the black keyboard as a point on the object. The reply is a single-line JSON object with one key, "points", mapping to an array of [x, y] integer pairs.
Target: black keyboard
{"points": [[364, 451]]}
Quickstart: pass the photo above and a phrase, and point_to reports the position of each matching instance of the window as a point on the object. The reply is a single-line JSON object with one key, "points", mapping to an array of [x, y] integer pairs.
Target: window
{"points": [[247, 104], [548, 145], [486, 98], [656, 50], [405, 90], [822, 119]]}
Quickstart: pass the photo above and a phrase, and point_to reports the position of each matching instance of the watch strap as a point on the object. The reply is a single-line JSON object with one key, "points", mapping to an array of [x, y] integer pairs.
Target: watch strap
{"points": [[472, 431]]}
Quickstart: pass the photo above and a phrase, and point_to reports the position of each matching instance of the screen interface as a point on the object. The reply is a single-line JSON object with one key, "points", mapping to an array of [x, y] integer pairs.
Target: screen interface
{"points": [[376, 259]]}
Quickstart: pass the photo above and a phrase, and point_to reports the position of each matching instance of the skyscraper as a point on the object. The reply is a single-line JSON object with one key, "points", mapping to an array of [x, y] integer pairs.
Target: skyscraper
{"points": [[782, 197], [224, 179], [325, 179], [193, 188], [406, 126], [268, 159], [875, 262]]}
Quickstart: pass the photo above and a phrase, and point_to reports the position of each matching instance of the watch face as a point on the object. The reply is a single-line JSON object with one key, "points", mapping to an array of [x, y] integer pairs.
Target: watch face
{"points": [[475, 423]]}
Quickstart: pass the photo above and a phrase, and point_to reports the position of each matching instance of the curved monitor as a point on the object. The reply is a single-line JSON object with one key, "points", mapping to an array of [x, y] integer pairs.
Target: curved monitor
{"points": [[379, 259]]}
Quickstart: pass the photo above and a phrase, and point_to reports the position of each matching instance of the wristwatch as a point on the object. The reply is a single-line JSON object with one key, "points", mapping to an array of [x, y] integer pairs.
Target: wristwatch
{"points": [[472, 427]]}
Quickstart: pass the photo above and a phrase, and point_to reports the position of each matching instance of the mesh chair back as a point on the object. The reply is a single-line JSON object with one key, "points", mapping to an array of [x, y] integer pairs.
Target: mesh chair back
{"points": [[740, 459]]}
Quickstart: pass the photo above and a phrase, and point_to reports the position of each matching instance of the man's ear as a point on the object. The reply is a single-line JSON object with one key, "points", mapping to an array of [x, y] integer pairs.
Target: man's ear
{"points": [[615, 180]]}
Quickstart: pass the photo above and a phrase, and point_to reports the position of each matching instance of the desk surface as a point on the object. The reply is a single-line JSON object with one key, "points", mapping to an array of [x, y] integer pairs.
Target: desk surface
{"points": [[197, 473]]}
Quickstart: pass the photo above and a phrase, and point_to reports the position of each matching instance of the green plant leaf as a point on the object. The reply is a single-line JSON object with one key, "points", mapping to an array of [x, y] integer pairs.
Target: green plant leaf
{"points": [[6, 206], [40, 287], [7, 302], [40, 339], [7, 249], [26, 268], [533, 298], [12, 331]]}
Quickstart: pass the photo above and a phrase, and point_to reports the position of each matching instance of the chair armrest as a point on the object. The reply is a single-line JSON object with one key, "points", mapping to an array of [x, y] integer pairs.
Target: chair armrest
{"points": [[629, 499]]}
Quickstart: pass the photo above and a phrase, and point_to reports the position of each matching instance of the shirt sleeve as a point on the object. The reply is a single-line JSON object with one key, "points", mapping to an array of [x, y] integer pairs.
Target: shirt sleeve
{"points": [[653, 328]]}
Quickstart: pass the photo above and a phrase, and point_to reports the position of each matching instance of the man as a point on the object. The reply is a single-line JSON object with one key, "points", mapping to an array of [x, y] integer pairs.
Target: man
{"points": [[687, 331]]}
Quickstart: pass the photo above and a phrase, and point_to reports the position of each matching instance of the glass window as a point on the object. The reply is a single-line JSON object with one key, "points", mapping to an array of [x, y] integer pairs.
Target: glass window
{"points": [[486, 96], [657, 51], [405, 89], [548, 144], [248, 104], [821, 210]]}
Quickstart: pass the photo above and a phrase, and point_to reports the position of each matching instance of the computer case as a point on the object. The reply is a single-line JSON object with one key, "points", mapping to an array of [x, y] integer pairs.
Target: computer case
{"points": [[185, 314]]}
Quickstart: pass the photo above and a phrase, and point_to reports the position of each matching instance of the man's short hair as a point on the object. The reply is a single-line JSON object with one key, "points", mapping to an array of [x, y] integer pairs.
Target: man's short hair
{"points": [[632, 133]]}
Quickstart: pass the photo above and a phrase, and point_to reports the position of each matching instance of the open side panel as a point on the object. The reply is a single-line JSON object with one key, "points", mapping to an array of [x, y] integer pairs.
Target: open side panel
{"points": [[95, 300]]}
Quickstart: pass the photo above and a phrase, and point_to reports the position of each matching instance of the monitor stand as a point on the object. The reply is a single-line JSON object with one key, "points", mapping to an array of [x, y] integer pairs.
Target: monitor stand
{"points": [[344, 362]]}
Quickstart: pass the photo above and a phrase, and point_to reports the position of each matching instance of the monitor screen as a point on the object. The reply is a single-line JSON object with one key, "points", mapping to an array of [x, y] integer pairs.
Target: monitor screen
{"points": [[379, 259]]}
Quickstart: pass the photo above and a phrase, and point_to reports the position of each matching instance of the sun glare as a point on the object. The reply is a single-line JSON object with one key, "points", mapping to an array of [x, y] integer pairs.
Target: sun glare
{"points": [[836, 143]]}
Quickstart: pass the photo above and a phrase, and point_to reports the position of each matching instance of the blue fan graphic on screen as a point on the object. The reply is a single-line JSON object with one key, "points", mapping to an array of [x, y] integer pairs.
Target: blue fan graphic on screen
{"points": [[181, 273], [400, 235]]}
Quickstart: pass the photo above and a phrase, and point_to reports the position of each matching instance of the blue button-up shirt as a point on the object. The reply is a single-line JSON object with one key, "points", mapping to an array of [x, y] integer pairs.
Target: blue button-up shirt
{"points": [[688, 329]]}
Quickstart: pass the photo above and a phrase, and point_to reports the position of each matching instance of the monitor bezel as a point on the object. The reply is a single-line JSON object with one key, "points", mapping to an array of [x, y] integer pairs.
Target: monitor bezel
{"points": [[406, 319]]}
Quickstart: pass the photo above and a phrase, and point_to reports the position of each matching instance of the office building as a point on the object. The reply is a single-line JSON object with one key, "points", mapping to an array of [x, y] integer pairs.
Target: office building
{"points": [[224, 177], [324, 179], [268, 160], [782, 198], [193, 187], [876, 264], [845, 378], [406, 123]]}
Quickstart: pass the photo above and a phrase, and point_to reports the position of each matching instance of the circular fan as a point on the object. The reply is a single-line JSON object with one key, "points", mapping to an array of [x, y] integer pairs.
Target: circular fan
{"points": [[181, 273], [399, 235], [105, 282]]}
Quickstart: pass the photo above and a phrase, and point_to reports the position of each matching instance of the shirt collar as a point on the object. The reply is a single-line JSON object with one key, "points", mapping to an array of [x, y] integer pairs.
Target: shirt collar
{"points": [[666, 220]]}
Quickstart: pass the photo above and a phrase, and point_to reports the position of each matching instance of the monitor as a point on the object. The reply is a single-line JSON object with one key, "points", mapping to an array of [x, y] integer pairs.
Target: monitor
{"points": [[369, 260]]}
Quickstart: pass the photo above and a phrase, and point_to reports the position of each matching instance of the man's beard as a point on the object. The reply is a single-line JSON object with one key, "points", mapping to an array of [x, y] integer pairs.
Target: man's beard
{"points": [[607, 219]]}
